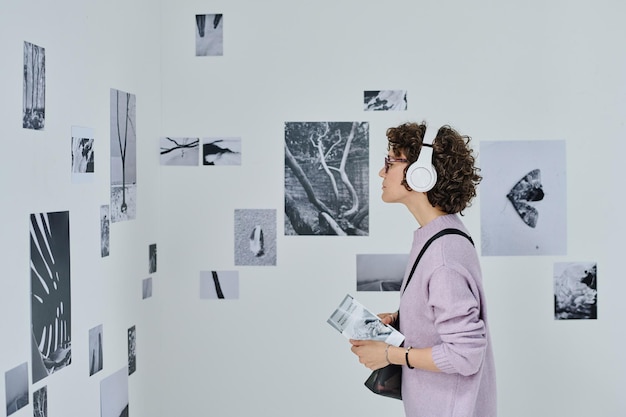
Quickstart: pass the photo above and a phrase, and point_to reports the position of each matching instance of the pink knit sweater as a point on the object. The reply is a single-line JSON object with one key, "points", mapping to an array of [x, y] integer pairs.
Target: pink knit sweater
{"points": [[443, 307]]}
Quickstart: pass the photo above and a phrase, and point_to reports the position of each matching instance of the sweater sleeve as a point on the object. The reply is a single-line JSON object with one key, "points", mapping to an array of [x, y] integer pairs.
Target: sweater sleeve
{"points": [[454, 301]]}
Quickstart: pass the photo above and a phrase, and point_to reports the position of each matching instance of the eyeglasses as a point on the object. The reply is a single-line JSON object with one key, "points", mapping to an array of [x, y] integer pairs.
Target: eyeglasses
{"points": [[389, 161]]}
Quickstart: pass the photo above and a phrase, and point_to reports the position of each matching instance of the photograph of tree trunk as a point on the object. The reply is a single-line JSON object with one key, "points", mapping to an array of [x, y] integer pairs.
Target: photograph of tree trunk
{"points": [[327, 178], [123, 156], [34, 103]]}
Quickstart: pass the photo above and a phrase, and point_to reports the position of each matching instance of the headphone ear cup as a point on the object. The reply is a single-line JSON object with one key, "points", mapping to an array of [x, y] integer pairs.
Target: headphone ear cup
{"points": [[421, 177]]}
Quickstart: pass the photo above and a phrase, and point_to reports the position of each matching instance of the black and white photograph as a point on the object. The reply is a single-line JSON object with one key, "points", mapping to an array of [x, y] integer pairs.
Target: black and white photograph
{"points": [[95, 350], [152, 258], [523, 204], [105, 226], [575, 290], [221, 151], [255, 237], [114, 395], [123, 156], [380, 272], [219, 285], [146, 288], [327, 178], [51, 307], [209, 30], [132, 350], [179, 151], [16, 388], [34, 100], [83, 163], [40, 402], [384, 100]]}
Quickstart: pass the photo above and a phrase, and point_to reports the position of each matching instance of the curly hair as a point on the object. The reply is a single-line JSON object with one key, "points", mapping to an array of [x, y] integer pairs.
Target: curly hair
{"points": [[453, 159]]}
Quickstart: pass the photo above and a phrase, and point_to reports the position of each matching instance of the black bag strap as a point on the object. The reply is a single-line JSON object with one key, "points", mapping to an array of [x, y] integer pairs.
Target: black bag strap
{"points": [[427, 244]]}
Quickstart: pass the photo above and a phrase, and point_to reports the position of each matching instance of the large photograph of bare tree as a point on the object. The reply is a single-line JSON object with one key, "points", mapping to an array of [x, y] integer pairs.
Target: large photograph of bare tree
{"points": [[327, 178], [51, 312], [123, 156], [34, 101]]}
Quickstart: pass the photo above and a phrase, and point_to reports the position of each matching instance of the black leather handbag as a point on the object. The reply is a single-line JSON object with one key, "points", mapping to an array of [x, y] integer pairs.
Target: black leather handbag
{"points": [[387, 381]]}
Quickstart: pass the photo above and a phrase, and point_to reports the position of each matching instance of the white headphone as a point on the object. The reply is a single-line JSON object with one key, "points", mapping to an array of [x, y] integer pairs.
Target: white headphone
{"points": [[421, 174]]}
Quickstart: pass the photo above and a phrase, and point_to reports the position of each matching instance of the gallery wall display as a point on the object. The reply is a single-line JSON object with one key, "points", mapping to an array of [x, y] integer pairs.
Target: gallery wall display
{"points": [[219, 285], [255, 237], [51, 312], [96, 360], [152, 258], [34, 96], [114, 395], [575, 290], [146, 288], [123, 132], [179, 151], [327, 178], [384, 100], [523, 198], [105, 225], [221, 151], [209, 31], [132, 350], [40, 402], [380, 272], [16, 388], [83, 162]]}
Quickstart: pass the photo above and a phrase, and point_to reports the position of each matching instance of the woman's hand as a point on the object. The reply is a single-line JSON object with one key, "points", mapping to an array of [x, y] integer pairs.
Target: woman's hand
{"points": [[388, 318], [371, 353]]}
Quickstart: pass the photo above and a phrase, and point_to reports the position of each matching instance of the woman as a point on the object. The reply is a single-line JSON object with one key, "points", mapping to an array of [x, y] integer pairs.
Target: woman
{"points": [[448, 366]]}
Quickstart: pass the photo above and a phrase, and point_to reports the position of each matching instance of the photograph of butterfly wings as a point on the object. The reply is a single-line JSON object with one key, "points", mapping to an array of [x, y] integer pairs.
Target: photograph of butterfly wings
{"points": [[527, 189]]}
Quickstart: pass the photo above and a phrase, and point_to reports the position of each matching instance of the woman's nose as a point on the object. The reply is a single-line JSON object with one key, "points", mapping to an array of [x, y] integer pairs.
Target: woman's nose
{"points": [[382, 172]]}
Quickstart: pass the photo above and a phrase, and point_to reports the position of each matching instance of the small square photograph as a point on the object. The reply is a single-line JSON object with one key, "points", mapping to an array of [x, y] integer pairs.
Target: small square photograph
{"points": [[105, 223], [83, 167], [221, 151], [152, 258], [523, 204], [180, 151], [384, 100], [380, 272], [16, 388], [34, 87], [114, 395], [40, 402], [575, 290], [209, 35], [146, 288], [95, 350], [255, 237], [219, 285], [132, 350]]}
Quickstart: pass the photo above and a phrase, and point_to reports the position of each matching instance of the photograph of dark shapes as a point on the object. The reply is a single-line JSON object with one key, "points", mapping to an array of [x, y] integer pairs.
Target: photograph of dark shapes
{"points": [[114, 395], [51, 307], [209, 35], [146, 288], [255, 237], [384, 100], [221, 151], [123, 156], [40, 402], [380, 272], [132, 351], [34, 100], [180, 151], [575, 290], [95, 350], [82, 154], [219, 285], [327, 178], [152, 258], [523, 204], [16, 388], [105, 223]]}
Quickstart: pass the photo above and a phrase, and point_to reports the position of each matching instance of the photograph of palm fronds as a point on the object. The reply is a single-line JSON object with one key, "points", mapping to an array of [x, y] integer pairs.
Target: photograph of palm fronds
{"points": [[34, 90]]}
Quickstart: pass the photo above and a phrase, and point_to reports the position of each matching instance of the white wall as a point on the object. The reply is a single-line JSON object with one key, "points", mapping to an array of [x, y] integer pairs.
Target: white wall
{"points": [[524, 71]]}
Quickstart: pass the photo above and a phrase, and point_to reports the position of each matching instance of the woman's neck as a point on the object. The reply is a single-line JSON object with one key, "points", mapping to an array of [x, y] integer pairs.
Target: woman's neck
{"points": [[423, 211]]}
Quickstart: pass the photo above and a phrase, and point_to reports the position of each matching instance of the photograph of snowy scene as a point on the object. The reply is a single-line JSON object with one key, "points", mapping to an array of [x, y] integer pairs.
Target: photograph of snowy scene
{"points": [[123, 156]]}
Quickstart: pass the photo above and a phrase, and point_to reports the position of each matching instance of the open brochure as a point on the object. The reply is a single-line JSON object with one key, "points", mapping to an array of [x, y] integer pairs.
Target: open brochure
{"points": [[354, 321]]}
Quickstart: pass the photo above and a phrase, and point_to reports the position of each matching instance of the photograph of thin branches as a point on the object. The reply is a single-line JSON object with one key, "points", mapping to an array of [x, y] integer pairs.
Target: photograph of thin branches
{"points": [[180, 151], [34, 102], [123, 156], [327, 178]]}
